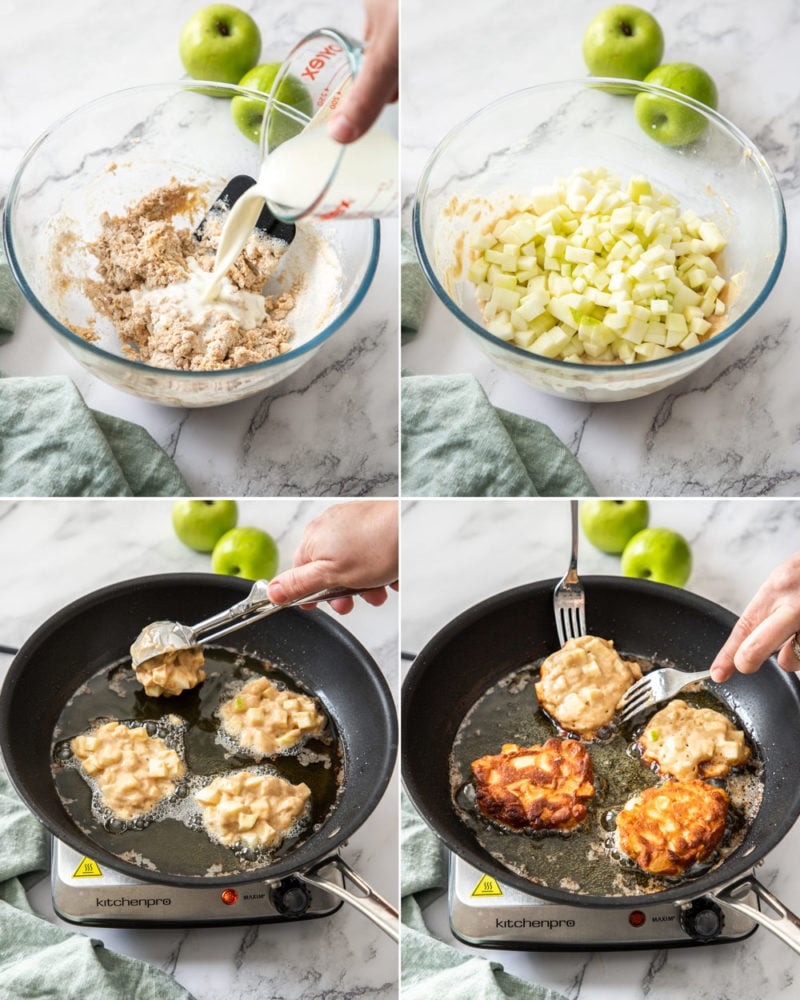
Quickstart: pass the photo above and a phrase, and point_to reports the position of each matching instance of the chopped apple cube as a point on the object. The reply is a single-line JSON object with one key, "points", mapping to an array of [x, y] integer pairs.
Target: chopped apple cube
{"points": [[208, 796], [676, 322], [552, 342], [247, 821]]}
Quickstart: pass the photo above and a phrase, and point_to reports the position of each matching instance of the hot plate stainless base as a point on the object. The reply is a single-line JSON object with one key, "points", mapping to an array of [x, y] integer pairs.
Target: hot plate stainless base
{"points": [[487, 914], [85, 892]]}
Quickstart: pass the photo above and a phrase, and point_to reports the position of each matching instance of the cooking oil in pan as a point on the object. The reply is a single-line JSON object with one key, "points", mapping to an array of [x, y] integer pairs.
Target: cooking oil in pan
{"points": [[585, 860], [171, 837]]}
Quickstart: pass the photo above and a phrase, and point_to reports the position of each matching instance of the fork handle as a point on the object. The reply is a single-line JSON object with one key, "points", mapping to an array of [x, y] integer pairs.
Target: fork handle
{"points": [[573, 562]]}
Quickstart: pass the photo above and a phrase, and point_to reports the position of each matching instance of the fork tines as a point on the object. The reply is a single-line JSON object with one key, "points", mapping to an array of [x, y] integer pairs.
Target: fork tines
{"points": [[570, 621], [637, 698]]}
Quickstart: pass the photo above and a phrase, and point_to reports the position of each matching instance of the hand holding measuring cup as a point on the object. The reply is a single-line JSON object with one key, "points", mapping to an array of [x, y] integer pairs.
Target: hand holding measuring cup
{"points": [[310, 173], [376, 85], [305, 172]]}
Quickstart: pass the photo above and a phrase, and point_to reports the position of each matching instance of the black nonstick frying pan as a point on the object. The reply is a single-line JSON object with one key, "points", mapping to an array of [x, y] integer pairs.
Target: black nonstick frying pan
{"points": [[316, 651], [514, 628]]}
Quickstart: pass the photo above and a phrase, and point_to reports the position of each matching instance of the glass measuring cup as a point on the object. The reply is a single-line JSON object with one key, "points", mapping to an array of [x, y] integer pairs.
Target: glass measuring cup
{"points": [[305, 172]]}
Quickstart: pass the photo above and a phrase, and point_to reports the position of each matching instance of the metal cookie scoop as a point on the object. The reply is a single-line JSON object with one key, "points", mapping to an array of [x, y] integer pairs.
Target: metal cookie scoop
{"points": [[160, 637]]}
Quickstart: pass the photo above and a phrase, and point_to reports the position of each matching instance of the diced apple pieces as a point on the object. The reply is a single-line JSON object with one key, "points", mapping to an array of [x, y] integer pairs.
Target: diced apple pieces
{"points": [[247, 821], [552, 343], [288, 739], [587, 269], [91, 766], [208, 796]]}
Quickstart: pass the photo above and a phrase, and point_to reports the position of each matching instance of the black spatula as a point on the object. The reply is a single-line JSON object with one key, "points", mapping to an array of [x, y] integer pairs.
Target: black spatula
{"points": [[267, 224]]}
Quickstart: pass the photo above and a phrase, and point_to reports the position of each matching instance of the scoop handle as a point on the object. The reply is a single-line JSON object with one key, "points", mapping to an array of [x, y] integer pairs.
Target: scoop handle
{"points": [[257, 605]]}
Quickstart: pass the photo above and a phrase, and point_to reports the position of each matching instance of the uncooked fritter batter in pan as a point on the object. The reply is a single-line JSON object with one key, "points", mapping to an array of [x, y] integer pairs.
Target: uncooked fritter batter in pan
{"points": [[172, 837]]}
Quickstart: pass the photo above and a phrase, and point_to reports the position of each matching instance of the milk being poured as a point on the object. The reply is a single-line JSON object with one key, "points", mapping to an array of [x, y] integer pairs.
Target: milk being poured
{"points": [[294, 174]]}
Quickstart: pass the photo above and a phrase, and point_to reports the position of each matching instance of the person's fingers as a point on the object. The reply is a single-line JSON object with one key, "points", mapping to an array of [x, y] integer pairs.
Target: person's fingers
{"points": [[297, 582], [787, 658], [375, 597], [374, 86], [343, 605], [723, 666], [756, 611], [770, 634]]}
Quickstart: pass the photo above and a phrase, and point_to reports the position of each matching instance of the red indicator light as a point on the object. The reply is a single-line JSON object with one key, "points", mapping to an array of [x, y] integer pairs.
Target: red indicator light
{"points": [[229, 896], [636, 918]]}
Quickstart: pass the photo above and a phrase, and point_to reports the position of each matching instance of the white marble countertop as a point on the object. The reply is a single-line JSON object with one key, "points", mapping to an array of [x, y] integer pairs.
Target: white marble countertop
{"points": [[731, 427], [291, 441], [456, 553], [62, 549]]}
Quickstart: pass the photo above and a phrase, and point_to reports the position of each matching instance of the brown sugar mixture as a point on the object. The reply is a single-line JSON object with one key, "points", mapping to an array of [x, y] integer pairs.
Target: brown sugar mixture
{"points": [[153, 273]]}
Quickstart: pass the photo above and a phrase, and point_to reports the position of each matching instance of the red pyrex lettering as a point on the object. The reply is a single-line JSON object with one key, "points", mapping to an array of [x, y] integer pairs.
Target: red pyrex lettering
{"points": [[340, 209], [317, 62]]}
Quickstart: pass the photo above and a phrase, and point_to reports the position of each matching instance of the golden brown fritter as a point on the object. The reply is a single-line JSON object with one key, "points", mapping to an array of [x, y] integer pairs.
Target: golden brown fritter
{"points": [[686, 742], [581, 684], [535, 788], [671, 827]]}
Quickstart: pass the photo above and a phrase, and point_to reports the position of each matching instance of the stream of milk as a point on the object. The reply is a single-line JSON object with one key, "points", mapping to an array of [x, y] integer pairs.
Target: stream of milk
{"points": [[294, 174]]}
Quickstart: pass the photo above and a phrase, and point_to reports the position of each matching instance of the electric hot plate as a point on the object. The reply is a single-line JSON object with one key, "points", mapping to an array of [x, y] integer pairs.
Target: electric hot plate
{"points": [[85, 892], [487, 914]]}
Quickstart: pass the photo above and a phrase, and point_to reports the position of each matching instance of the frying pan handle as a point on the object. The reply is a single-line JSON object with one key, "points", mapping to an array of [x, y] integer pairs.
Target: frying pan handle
{"points": [[368, 901], [785, 925]]}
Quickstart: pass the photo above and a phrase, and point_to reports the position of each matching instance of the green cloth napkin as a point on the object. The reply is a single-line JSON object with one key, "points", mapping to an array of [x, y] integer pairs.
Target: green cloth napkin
{"points": [[431, 968], [414, 288], [10, 298], [455, 443], [52, 444], [39, 961]]}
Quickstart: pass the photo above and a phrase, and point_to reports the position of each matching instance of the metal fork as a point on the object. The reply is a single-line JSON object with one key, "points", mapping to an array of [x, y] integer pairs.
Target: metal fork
{"points": [[569, 600], [658, 685]]}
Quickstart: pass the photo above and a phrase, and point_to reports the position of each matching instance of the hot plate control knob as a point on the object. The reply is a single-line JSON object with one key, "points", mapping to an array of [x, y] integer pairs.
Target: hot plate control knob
{"points": [[291, 898], [702, 920]]}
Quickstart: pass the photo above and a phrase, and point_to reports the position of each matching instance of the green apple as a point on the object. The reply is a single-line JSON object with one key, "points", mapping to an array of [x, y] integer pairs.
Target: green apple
{"points": [[247, 552], [658, 554], [219, 42], [671, 122], [201, 523], [248, 112], [623, 41], [610, 524]]}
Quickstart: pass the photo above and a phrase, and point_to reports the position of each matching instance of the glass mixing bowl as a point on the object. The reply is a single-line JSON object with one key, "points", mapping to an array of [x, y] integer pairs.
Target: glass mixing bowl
{"points": [[106, 156], [529, 138]]}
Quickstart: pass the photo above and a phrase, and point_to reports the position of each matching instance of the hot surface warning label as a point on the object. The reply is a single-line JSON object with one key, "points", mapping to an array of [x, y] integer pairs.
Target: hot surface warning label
{"points": [[487, 887], [87, 869]]}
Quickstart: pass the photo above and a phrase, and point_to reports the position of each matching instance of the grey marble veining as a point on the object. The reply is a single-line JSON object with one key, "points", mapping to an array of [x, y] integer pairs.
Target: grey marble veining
{"points": [[456, 553], [57, 550], [330, 429], [729, 429]]}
